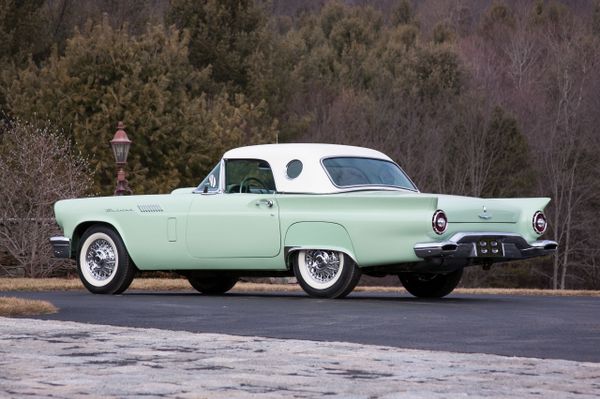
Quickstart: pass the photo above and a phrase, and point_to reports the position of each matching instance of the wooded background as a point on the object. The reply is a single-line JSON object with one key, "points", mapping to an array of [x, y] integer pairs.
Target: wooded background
{"points": [[481, 98]]}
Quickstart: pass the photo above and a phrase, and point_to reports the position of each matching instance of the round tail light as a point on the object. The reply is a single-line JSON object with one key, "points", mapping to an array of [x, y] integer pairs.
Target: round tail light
{"points": [[439, 222], [539, 222]]}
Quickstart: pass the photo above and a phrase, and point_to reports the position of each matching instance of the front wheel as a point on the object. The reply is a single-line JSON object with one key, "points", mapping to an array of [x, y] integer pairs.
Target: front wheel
{"points": [[430, 285], [213, 285], [103, 263], [326, 274]]}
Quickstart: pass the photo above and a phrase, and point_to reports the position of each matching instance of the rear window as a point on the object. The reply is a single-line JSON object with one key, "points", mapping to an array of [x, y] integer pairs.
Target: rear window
{"points": [[355, 171]]}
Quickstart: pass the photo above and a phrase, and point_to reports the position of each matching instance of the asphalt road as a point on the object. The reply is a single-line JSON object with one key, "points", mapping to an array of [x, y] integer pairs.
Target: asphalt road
{"points": [[541, 327]]}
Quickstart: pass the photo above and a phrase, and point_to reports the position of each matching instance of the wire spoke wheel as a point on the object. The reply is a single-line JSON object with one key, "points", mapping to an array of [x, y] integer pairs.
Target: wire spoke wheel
{"points": [[101, 259], [323, 266], [103, 263], [326, 273]]}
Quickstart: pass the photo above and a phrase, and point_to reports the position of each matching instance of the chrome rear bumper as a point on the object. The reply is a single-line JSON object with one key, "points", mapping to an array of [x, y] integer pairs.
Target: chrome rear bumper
{"points": [[61, 247], [467, 245]]}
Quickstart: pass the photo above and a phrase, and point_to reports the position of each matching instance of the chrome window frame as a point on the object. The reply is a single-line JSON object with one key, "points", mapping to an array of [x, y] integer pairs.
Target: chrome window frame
{"points": [[219, 189]]}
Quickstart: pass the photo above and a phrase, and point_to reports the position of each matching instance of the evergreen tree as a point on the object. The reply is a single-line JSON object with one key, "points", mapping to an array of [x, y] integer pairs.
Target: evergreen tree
{"points": [[22, 35], [511, 173], [178, 128], [223, 35], [22, 30]]}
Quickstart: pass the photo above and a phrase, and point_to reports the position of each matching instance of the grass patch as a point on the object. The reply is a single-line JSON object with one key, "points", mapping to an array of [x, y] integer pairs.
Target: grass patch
{"points": [[181, 284], [11, 307], [40, 284]]}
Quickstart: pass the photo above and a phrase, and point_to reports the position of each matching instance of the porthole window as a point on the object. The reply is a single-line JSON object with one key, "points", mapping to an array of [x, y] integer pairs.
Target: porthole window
{"points": [[294, 168]]}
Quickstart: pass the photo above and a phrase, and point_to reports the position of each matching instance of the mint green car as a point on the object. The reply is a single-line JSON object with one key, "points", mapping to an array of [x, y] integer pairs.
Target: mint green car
{"points": [[323, 213]]}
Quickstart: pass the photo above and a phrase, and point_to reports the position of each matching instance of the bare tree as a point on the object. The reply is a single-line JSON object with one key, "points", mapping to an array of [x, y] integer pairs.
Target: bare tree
{"points": [[542, 66], [37, 168], [523, 51], [568, 139]]}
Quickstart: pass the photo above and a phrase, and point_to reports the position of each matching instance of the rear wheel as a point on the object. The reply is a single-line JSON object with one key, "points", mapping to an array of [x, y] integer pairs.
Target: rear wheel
{"points": [[103, 263], [430, 285], [213, 285], [326, 274]]}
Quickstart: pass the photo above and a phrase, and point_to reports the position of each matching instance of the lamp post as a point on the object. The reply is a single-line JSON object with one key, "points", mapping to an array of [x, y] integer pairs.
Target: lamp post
{"points": [[120, 145]]}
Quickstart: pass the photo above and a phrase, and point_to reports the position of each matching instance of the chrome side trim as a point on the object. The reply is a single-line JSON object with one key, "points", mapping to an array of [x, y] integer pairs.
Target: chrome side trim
{"points": [[150, 208], [61, 246]]}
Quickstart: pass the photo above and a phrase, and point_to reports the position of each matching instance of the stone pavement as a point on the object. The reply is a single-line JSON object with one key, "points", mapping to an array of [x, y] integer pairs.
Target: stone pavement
{"points": [[74, 360]]}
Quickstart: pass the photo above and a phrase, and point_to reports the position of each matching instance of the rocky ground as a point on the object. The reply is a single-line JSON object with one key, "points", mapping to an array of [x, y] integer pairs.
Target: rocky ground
{"points": [[75, 360]]}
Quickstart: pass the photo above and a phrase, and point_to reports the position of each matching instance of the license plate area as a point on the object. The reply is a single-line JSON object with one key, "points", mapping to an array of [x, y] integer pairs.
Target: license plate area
{"points": [[489, 247]]}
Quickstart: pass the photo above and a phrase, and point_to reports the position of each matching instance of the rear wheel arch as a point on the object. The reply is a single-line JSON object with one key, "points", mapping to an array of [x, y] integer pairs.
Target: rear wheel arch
{"points": [[291, 253], [316, 235]]}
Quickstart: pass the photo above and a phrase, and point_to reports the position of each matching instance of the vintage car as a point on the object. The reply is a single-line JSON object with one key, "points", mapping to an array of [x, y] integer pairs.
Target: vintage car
{"points": [[323, 213]]}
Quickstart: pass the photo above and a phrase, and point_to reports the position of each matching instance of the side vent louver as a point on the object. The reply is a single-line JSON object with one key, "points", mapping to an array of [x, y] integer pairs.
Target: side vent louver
{"points": [[150, 208]]}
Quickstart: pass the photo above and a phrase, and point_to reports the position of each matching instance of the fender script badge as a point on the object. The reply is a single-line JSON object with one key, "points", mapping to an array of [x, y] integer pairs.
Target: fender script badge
{"points": [[485, 215]]}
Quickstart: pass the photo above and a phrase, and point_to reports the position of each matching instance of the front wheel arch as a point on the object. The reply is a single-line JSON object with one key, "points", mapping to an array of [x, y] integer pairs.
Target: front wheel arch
{"points": [[80, 230], [82, 227], [91, 258]]}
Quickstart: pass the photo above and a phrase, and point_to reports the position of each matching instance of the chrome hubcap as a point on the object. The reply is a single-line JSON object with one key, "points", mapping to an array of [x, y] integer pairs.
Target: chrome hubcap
{"points": [[323, 266], [100, 259]]}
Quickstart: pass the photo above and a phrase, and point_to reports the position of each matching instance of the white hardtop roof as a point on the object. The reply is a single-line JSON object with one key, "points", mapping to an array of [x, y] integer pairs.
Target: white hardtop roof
{"points": [[301, 150], [313, 178]]}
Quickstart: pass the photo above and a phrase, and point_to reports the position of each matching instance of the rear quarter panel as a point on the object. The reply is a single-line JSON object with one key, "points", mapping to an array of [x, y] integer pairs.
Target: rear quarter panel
{"points": [[381, 227]]}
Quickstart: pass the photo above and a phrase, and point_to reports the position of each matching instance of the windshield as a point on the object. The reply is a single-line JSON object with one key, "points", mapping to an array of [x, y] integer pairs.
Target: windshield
{"points": [[354, 171]]}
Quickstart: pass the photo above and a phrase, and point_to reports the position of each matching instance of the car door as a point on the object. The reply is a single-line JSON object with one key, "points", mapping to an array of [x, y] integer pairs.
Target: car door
{"points": [[235, 213]]}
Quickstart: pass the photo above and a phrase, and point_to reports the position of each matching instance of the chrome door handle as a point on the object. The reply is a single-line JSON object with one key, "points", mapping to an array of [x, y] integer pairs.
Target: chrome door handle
{"points": [[266, 202]]}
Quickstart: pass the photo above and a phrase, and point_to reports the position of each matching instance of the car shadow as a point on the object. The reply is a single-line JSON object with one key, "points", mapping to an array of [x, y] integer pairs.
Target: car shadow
{"points": [[355, 297]]}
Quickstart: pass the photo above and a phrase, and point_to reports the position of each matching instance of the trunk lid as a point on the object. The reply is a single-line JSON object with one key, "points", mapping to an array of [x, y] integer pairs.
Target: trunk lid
{"points": [[480, 210]]}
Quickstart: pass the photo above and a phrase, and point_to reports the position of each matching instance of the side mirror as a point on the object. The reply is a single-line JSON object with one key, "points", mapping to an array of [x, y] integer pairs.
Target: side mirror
{"points": [[205, 189]]}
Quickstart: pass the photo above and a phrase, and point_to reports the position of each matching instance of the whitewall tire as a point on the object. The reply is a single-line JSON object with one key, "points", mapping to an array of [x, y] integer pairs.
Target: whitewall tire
{"points": [[325, 273], [103, 263]]}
